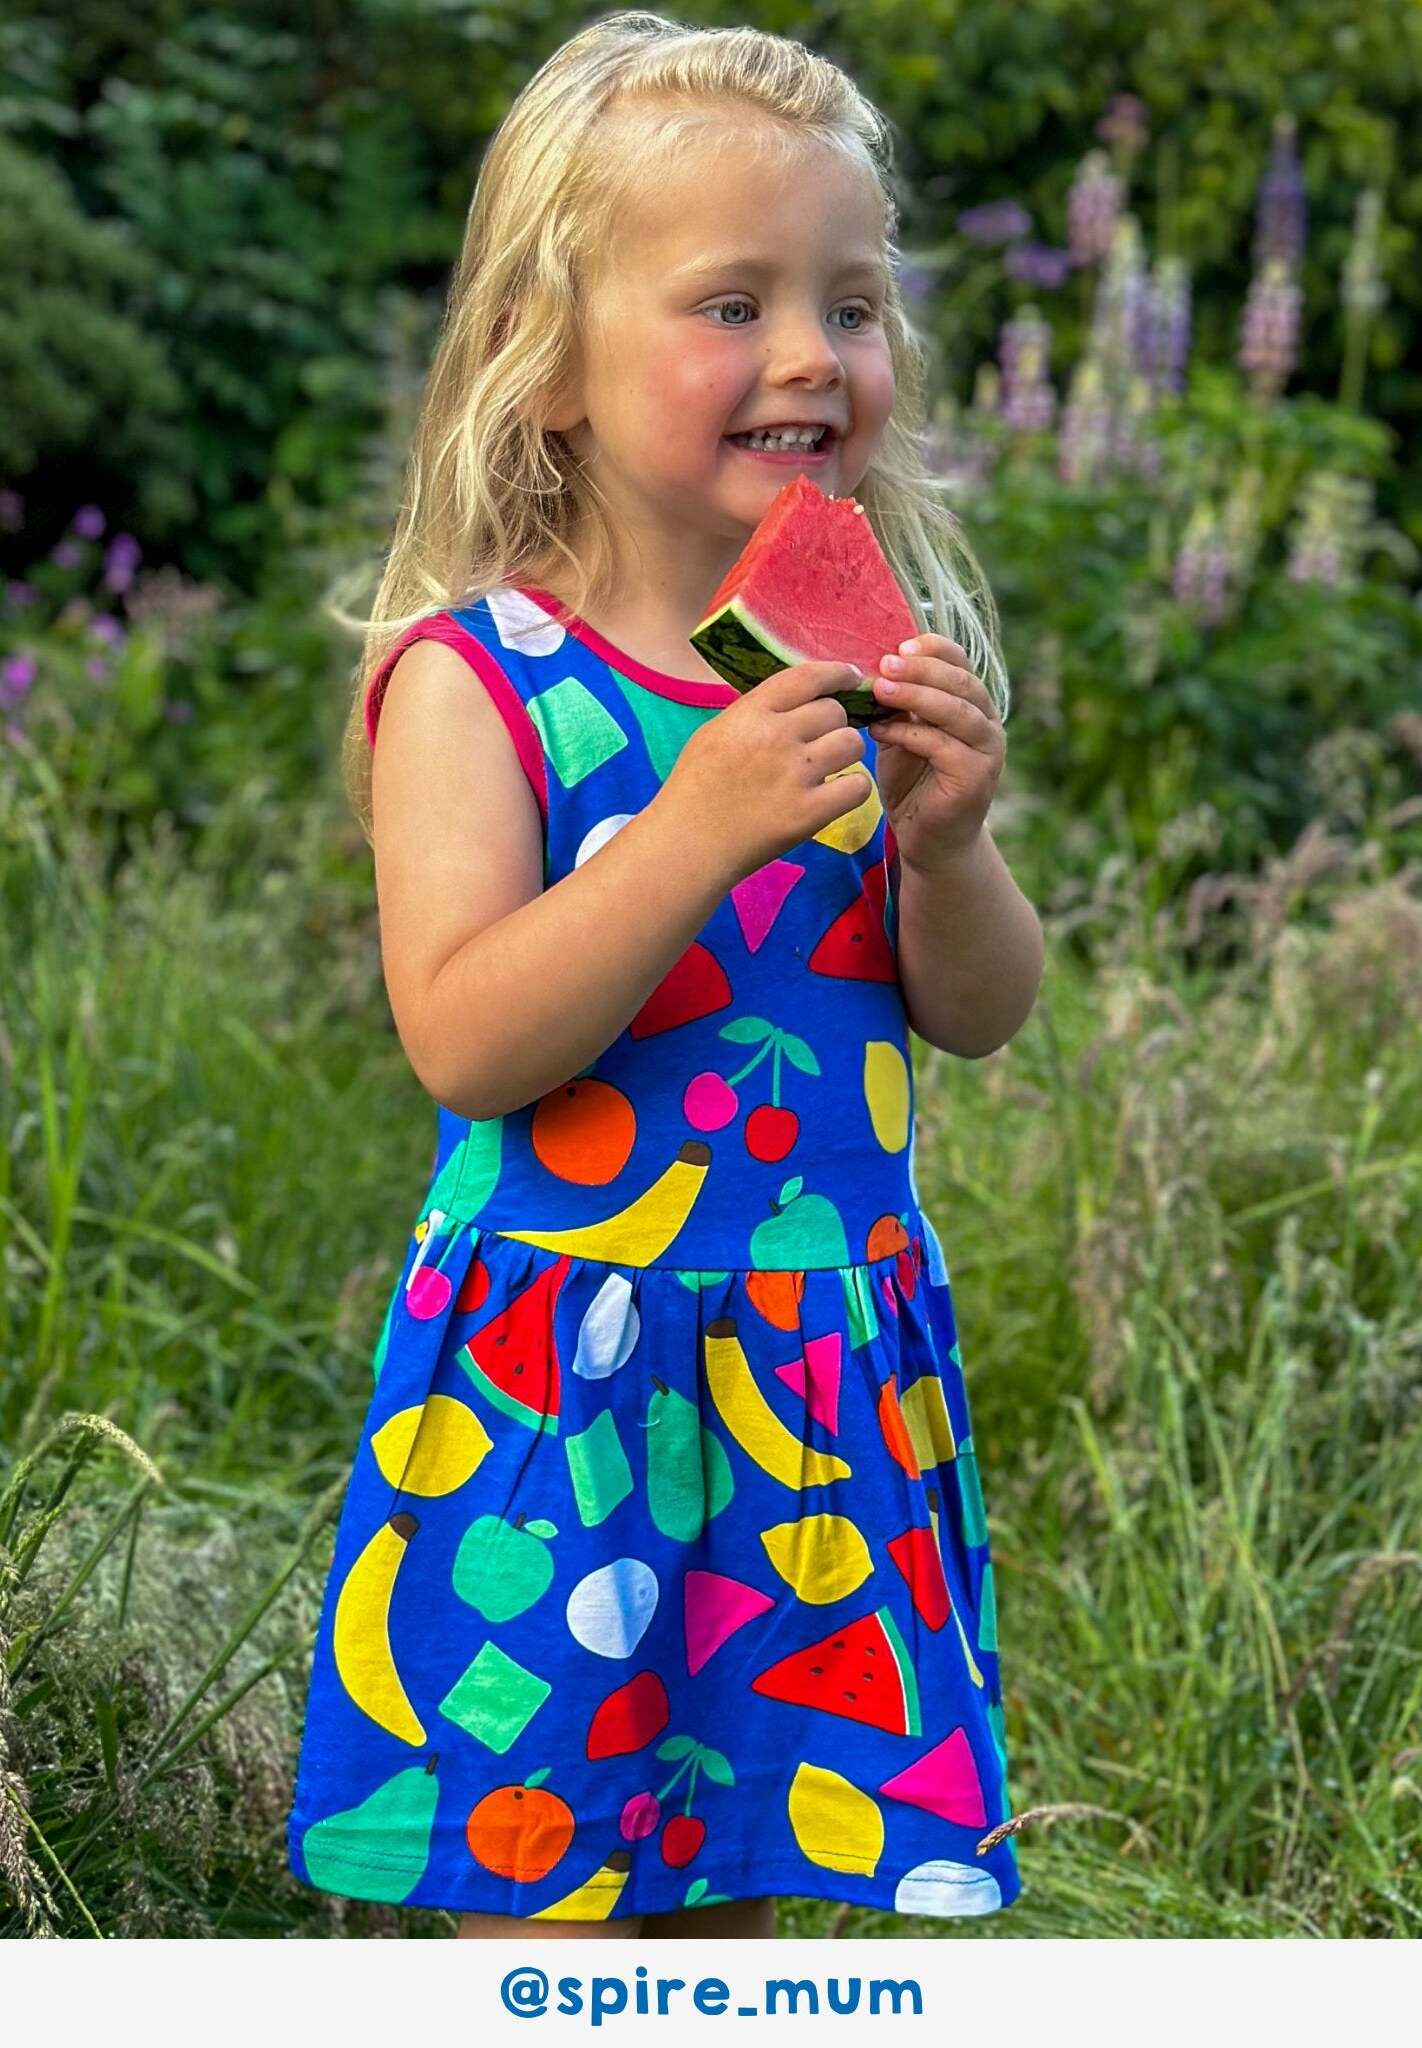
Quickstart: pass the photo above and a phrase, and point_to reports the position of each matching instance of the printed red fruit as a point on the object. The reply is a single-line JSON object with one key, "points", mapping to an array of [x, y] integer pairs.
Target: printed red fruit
{"points": [[770, 1132], [681, 1838], [629, 1717]]}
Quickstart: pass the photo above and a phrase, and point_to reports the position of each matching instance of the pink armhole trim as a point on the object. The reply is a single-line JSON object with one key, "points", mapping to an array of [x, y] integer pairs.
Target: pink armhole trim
{"points": [[508, 703]]}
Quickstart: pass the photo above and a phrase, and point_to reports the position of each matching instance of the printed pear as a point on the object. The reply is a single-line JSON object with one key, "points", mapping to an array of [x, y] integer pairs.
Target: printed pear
{"points": [[379, 1849]]}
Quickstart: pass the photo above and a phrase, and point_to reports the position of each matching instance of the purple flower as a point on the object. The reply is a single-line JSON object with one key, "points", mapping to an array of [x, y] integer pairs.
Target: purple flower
{"points": [[123, 552], [104, 626], [916, 280], [117, 580], [1093, 203], [1038, 263], [19, 593], [1024, 350], [1124, 121], [1269, 343], [1281, 211], [67, 554], [12, 511], [97, 669], [89, 522], [1169, 324], [999, 220], [17, 673]]}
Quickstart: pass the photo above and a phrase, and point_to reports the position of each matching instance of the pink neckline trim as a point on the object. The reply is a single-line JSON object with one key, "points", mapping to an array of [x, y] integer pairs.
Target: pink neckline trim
{"points": [[682, 689]]}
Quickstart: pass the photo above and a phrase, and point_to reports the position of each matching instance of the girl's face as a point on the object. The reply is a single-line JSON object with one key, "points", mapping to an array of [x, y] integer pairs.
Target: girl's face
{"points": [[741, 293]]}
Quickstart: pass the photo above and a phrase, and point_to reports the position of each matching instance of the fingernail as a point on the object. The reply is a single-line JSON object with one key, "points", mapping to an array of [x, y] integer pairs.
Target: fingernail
{"points": [[892, 663], [886, 686], [908, 647]]}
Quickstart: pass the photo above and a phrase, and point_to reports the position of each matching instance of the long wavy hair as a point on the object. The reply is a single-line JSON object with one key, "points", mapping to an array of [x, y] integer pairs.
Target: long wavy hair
{"points": [[491, 497]]}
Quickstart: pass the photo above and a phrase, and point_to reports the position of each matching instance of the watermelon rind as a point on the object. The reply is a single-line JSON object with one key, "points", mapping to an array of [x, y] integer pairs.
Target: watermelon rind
{"points": [[913, 1723], [743, 651], [508, 1404]]}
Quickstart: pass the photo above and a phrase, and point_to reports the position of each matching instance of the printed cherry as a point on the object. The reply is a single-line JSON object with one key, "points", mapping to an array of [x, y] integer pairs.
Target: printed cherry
{"points": [[640, 1816], [771, 1131], [681, 1838]]}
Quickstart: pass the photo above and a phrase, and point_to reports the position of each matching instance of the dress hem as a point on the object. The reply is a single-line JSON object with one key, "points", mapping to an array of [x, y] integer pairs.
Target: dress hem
{"points": [[797, 1880]]}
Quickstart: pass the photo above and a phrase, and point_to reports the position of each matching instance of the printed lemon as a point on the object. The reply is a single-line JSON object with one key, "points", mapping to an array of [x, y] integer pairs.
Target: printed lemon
{"points": [[432, 1448], [823, 1557], [835, 1824]]}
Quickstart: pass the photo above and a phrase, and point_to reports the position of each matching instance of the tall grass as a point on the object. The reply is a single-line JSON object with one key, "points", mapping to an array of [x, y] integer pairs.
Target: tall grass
{"points": [[1181, 1215]]}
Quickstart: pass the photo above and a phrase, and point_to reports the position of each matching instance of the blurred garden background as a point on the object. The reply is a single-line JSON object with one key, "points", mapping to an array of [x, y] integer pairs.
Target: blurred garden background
{"points": [[1168, 264]]}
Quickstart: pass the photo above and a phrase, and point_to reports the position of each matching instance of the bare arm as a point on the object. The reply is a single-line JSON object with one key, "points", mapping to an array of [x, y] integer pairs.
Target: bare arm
{"points": [[502, 989]]}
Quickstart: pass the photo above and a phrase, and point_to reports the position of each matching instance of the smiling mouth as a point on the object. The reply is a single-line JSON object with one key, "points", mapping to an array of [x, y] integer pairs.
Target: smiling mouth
{"points": [[816, 447]]}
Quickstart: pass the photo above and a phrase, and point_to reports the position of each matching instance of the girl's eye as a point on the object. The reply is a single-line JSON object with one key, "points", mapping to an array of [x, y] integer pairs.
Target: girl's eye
{"points": [[867, 313]]}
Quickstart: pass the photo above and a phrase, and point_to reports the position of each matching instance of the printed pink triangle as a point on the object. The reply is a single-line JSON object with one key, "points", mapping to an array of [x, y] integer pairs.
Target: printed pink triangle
{"points": [[759, 898], [945, 1782], [715, 1608], [820, 1368]]}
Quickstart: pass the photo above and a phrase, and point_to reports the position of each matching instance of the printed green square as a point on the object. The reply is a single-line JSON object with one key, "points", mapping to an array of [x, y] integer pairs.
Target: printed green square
{"points": [[495, 1699], [597, 1465], [577, 732]]}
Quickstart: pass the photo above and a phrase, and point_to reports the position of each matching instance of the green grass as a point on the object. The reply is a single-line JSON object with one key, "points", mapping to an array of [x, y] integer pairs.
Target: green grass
{"points": [[1181, 1216]]}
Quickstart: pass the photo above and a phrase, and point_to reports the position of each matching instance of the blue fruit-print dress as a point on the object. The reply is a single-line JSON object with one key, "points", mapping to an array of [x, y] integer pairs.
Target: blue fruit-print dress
{"points": [[662, 1577]]}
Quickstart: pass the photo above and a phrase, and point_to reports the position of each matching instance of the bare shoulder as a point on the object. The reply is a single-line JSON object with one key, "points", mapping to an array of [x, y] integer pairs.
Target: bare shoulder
{"points": [[457, 831]]}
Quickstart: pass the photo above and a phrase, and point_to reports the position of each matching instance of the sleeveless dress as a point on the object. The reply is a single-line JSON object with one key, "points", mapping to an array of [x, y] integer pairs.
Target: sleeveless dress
{"points": [[662, 1576]]}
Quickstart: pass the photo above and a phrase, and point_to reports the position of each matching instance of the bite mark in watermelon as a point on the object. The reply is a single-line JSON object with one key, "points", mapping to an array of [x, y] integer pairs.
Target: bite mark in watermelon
{"points": [[861, 1670], [513, 1360], [811, 584]]}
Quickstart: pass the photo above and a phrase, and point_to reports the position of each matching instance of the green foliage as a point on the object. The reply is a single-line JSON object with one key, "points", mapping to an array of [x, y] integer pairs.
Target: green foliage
{"points": [[79, 366]]}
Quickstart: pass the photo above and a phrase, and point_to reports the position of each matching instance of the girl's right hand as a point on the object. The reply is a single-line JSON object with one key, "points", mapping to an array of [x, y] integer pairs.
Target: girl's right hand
{"points": [[750, 783]]}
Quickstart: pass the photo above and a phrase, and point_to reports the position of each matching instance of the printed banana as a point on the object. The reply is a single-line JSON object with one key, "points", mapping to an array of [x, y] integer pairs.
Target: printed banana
{"points": [[595, 1899], [361, 1640], [754, 1423], [640, 1232]]}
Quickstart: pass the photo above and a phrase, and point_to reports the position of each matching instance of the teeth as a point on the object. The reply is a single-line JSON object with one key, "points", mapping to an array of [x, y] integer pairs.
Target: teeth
{"points": [[794, 437]]}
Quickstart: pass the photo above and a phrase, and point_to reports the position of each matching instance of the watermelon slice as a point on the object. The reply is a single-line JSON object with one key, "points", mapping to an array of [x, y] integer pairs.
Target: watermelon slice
{"points": [[811, 584], [512, 1361], [862, 1671]]}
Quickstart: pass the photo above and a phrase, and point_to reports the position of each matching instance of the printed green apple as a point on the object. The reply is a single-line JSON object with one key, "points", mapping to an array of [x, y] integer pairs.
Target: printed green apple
{"points": [[502, 1567]]}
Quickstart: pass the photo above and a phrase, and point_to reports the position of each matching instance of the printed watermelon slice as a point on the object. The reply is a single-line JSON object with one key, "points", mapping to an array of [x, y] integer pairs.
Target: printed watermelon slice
{"points": [[512, 1360], [811, 584], [862, 1671]]}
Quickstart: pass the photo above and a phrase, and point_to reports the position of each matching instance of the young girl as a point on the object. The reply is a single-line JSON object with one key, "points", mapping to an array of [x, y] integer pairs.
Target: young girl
{"points": [[662, 1583]]}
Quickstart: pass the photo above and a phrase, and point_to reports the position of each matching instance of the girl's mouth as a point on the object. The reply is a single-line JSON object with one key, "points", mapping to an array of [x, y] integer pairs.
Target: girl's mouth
{"points": [[803, 456]]}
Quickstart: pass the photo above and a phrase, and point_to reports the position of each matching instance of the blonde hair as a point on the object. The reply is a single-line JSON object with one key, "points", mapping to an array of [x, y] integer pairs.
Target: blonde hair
{"points": [[491, 497]]}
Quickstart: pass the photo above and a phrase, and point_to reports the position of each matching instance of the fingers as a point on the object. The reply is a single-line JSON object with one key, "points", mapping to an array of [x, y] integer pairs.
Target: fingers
{"points": [[939, 663], [807, 680], [935, 703]]}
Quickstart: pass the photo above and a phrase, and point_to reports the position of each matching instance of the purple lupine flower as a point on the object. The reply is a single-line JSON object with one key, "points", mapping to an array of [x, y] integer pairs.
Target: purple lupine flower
{"points": [[12, 511], [1093, 203], [1169, 324], [97, 669], [17, 674], [121, 558], [19, 593], [89, 522], [1269, 340], [67, 554], [916, 280], [1281, 210], [1200, 576], [104, 626], [123, 550], [999, 220], [1029, 403], [1124, 122], [1037, 263]]}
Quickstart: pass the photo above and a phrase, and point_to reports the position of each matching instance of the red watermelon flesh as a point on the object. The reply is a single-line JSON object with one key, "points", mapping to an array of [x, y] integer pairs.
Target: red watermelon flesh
{"points": [[811, 584], [862, 1671]]}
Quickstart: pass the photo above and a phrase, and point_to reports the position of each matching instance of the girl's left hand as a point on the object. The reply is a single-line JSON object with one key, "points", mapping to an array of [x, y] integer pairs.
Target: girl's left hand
{"points": [[940, 755]]}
